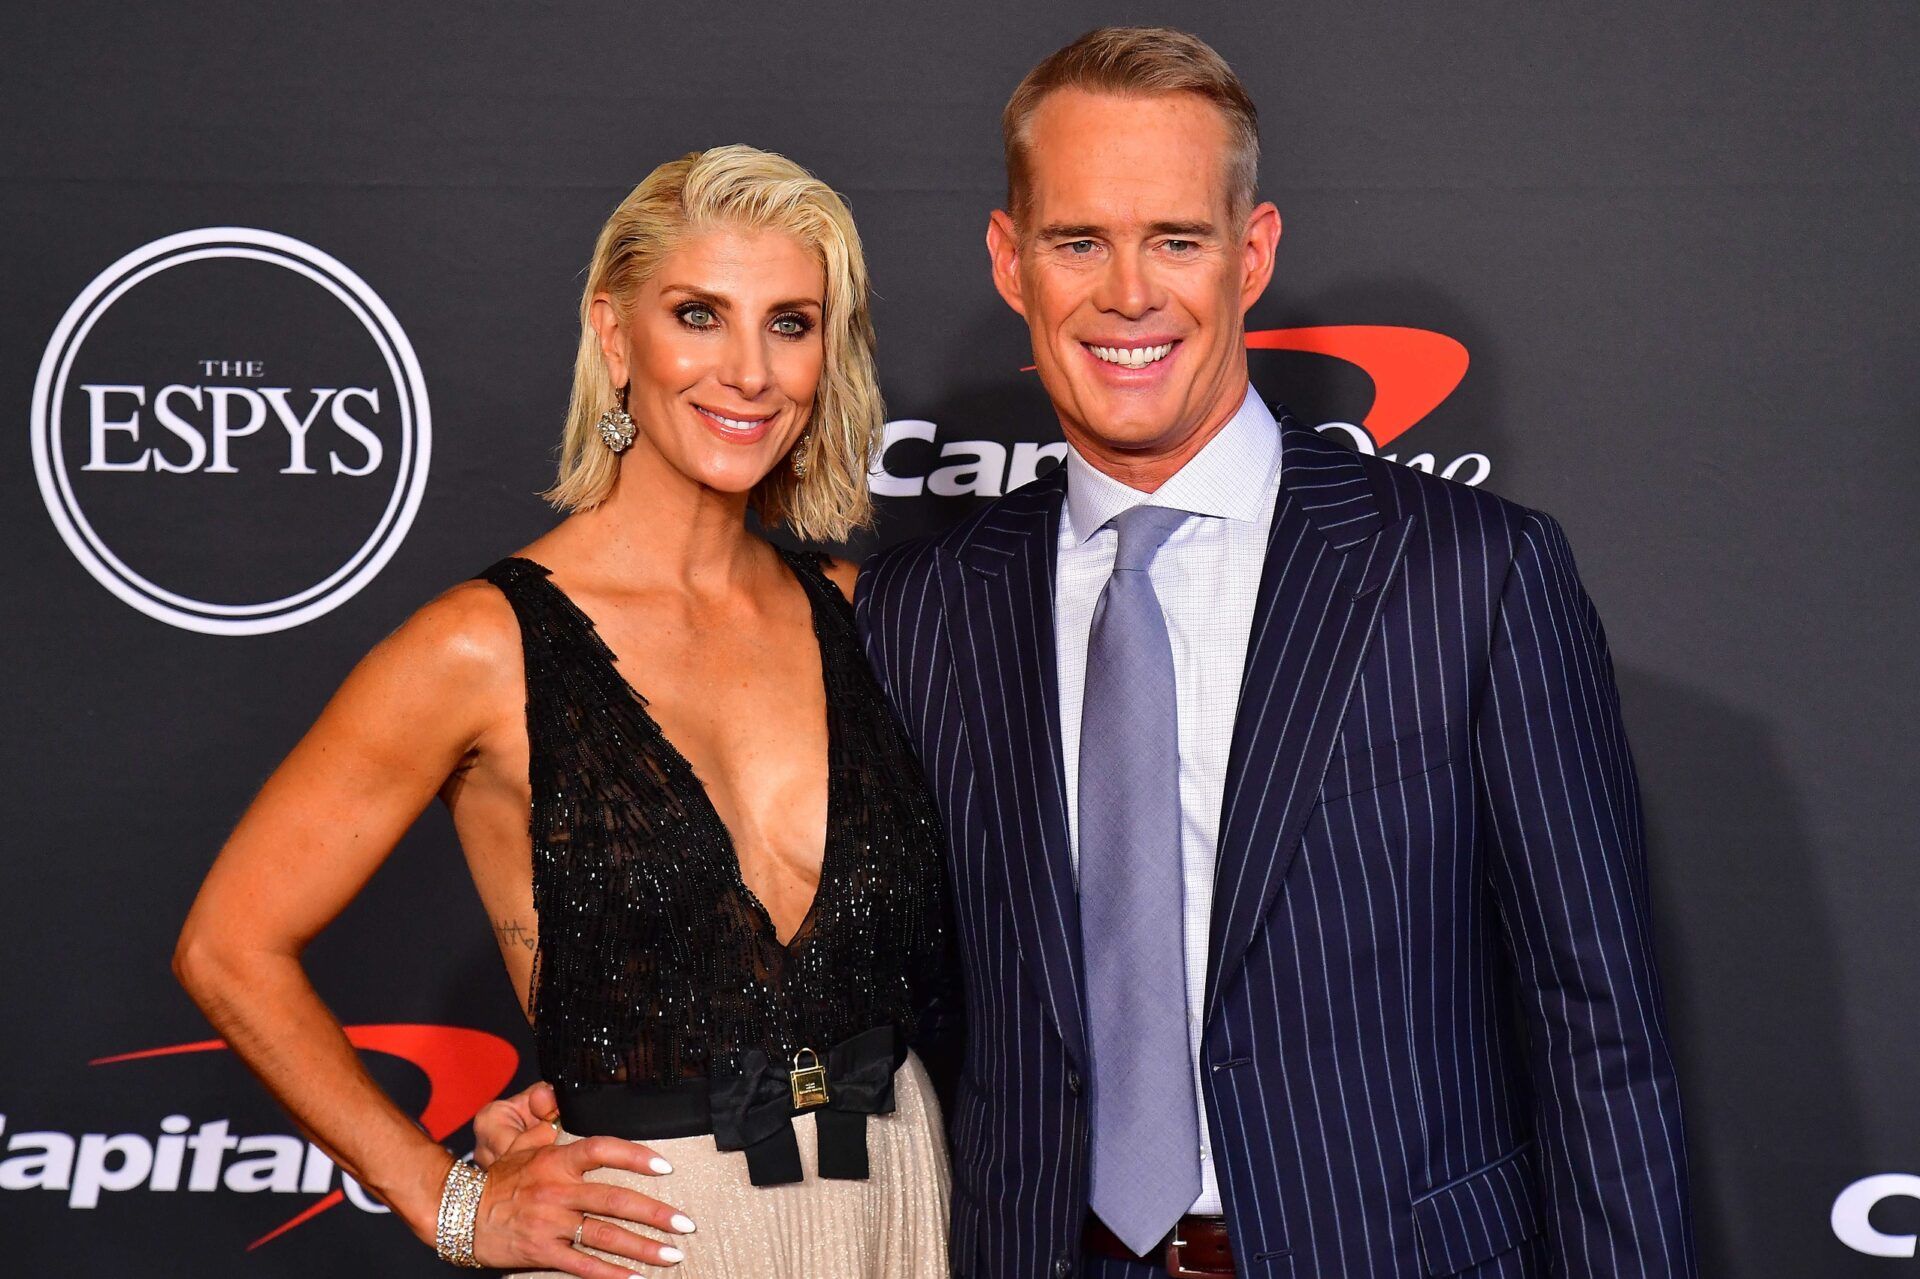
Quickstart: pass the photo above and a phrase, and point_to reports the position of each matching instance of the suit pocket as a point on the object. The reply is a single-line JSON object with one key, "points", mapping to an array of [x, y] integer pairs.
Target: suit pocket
{"points": [[1373, 764], [1479, 1215]]}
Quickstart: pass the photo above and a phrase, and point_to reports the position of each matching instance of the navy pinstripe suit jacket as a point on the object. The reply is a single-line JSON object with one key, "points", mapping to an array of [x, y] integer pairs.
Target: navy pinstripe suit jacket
{"points": [[1434, 1041]]}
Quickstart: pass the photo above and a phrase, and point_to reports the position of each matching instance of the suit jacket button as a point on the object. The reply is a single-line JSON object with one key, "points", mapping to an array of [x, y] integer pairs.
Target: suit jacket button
{"points": [[1073, 1082], [1062, 1268]]}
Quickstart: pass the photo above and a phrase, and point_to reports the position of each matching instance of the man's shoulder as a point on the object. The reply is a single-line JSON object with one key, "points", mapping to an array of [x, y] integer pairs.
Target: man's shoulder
{"points": [[910, 564], [1449, 517], [1449, 513]]}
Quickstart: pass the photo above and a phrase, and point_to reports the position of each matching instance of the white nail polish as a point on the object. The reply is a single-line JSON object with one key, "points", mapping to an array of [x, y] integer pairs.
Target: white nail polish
{"points": [[681, 1223], [660, 1167], [671, 1256]]}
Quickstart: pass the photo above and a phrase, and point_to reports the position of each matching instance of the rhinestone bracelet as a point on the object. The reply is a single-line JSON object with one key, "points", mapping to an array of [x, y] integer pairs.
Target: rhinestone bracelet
{"points": [[459, 1208]]}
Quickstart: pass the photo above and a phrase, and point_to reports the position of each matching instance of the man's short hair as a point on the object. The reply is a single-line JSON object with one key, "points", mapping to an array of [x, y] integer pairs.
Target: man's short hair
{"points": [[1138, 62]]}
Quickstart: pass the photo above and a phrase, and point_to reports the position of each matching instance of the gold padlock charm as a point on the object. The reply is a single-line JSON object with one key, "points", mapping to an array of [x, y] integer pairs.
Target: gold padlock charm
{"points": [[809, 1082]]}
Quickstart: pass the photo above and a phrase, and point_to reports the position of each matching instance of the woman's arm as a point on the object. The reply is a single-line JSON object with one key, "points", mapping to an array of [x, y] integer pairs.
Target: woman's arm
{"points": [[420, 706]]}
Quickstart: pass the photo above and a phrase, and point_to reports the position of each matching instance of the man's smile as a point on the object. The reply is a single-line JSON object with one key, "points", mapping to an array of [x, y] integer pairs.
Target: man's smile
{"points": [[1131, 355]]}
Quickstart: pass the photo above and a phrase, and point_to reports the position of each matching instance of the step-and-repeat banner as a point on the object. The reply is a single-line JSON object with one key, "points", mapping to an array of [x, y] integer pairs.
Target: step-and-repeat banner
{"points": [[288, 317]]}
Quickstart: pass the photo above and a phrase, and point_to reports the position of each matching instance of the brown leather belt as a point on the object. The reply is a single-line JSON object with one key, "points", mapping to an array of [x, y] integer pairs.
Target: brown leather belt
{"points": [[1197, 1248]]}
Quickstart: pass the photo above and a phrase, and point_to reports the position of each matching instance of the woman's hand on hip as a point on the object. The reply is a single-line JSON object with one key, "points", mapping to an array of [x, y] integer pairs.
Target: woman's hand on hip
{"points": [[538, 1200]]}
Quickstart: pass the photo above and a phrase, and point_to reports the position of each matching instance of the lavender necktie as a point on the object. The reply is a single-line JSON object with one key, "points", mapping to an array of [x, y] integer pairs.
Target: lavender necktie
{"points": [[1146, 1129]]}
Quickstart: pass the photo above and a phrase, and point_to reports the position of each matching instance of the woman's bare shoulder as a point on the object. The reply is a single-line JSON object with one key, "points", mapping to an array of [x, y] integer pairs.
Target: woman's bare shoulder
{"points": [[464, 644], [440, 684]]}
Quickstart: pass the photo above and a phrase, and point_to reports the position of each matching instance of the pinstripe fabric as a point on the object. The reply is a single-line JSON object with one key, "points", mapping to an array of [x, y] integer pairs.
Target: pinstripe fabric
{"points": [[1431, 822]]}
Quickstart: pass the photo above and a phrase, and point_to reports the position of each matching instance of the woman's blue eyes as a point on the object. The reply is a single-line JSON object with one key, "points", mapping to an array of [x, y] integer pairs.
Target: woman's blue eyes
{"points": [[791, 324]]}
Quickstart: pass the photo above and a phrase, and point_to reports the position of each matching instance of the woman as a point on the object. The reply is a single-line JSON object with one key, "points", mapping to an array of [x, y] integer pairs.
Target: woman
{"points": [[733, 868]]}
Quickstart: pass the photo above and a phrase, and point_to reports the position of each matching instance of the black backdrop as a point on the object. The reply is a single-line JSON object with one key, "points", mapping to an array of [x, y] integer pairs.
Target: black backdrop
{"points": [[1675, 243]]}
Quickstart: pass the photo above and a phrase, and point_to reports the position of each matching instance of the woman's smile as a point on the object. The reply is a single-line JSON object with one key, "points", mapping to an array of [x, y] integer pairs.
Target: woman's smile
{"points": [[736, 427]]}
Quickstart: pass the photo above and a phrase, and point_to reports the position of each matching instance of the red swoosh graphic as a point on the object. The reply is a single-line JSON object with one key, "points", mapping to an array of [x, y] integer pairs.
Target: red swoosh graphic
{"points": [[1413, 370], [465, 1070]]}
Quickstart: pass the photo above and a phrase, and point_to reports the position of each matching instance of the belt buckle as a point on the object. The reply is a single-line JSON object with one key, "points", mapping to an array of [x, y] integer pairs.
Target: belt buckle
{"points": [[1177, 1262]]}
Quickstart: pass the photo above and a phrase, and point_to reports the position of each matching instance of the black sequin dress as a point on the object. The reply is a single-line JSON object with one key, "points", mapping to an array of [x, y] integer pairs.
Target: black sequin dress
{"points": [[658, 971]]}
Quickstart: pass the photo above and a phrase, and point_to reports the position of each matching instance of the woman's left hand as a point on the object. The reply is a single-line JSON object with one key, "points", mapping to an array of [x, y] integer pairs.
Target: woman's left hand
{"points": [[540, 1208]]}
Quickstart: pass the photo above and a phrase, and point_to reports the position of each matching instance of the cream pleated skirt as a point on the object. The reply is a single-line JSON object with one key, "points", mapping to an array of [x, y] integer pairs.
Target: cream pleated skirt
{"points": [[891, 1226]]}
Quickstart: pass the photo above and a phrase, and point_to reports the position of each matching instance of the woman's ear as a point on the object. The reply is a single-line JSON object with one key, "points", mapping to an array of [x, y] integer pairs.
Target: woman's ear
{"points": [[612, 331]]}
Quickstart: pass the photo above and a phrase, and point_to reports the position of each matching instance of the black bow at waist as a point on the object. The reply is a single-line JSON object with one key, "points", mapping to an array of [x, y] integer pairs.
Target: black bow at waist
{"points": [[753, 1108]]}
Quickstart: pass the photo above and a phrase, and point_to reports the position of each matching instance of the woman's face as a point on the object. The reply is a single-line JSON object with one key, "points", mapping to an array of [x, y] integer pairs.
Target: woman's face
{"points": [[721, 354]]}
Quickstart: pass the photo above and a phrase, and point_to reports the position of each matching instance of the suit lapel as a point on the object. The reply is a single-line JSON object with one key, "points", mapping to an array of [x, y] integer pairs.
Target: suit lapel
{"points": [[1331, 553], [1000, 625]]}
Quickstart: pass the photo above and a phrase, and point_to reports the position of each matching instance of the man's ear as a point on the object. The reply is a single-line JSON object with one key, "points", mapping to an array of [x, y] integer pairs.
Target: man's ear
{"points": [[1258, 245], [1003, 246], [605, 318]]}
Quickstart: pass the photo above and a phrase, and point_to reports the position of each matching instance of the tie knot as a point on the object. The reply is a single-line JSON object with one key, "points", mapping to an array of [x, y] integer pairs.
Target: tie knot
{"points": [[1142, 530]]}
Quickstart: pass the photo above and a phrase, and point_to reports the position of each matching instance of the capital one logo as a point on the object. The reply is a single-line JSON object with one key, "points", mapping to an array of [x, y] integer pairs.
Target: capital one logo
{"points": [[1853, 1209], [464, 1070], [231, 431], [1412, 370]]}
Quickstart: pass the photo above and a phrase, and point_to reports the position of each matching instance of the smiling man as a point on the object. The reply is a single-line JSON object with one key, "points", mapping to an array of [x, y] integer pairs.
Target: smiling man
{"points": [[1277, 779]]}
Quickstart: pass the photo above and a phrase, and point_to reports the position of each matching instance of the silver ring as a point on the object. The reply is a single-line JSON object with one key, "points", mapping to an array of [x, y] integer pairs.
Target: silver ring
{"points": [[579, 1231]]}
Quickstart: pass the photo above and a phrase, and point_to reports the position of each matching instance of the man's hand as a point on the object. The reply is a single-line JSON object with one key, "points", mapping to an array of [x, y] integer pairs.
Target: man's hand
{"points": [[525, 1121]]}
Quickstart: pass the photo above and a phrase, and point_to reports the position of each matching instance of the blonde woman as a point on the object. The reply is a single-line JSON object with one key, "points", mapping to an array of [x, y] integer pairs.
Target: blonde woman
{"points": [[665, 757]]}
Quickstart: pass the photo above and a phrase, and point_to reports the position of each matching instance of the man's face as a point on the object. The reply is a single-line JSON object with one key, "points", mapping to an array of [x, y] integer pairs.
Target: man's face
{"points": [[1133, 279]]}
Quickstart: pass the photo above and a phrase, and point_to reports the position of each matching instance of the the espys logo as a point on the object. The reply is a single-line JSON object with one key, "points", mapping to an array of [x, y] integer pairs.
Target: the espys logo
{"points": [[465, 1069], [231, 431], [1412, 370]]}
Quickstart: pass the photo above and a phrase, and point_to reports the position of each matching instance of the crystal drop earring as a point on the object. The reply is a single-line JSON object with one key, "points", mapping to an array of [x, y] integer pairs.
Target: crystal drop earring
{"points": [[616, 428]]}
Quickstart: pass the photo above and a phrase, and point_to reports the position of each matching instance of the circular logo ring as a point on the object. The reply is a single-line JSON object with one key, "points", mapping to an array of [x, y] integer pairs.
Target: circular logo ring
{"points": [[49, 463]]}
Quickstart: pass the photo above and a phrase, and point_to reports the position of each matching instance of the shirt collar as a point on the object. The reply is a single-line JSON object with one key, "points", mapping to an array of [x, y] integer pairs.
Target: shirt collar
{"points": [[1229, 478]]}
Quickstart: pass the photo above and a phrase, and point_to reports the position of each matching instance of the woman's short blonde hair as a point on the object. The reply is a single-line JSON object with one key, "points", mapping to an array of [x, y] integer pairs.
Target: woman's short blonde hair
{"points": [[740, 186]]}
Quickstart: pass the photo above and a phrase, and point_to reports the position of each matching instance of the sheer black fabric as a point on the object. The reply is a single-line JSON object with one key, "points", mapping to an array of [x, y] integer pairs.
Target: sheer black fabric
{"points": [[656, 964]]}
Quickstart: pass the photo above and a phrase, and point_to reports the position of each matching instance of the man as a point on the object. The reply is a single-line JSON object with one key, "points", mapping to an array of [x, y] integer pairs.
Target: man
{"points": [[1256, 834], [1275, 777]]}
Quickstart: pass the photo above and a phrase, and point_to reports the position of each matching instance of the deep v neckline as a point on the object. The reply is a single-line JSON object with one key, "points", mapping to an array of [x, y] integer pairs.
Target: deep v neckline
{"points": [[677, 759]]}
